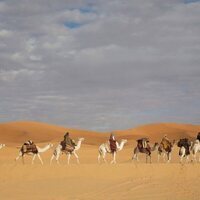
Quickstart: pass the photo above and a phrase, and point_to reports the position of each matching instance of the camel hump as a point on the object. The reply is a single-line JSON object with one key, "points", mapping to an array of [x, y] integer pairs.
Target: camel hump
{"points": [[143, 140], [29, 142]]}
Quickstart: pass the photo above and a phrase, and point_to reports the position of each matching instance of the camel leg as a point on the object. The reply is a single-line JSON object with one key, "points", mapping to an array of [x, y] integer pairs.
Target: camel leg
{"points": [[135, 157], [77, 159], [164, 156], [52, 157], [68, 158], [20, 155], [158, 159], [98, 158], [181, 159], [187, 159], [33, 158], [114, 159], [169, 157], [38, 155], [23, 159], [57, 158], [104, 157], [199, 158]]}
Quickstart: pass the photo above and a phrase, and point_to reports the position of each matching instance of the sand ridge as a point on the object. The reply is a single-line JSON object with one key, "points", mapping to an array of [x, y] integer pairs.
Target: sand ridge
{"points": [[18, 132]]}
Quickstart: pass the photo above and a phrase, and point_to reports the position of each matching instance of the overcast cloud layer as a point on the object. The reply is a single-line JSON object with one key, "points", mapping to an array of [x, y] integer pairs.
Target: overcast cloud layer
{"points": [[100, 65]]}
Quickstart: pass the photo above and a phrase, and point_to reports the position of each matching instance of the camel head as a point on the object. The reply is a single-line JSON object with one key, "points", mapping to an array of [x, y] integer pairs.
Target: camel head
{"points": [[156, 145], [81, 139], [196, 142], [124, 141], [2, 145], [174, 142], [50, 145]]}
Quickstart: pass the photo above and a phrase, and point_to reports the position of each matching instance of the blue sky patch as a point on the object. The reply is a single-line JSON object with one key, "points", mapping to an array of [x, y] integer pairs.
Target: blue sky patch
{"points": [[72, 25], [87, 9], [191, 1]]}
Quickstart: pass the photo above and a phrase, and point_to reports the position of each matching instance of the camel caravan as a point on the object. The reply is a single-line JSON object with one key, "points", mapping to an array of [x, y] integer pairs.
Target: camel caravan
{"points": [[69, 147]]}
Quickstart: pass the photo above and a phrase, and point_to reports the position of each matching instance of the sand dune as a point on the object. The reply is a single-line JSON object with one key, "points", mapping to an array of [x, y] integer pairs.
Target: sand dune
{"points": [[89, 180], [18, 132]]}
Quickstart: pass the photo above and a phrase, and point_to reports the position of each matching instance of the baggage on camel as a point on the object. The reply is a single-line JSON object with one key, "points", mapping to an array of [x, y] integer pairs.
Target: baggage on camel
{"points": [[66, 147], [143, 142], [186, 144], [29, 147]]}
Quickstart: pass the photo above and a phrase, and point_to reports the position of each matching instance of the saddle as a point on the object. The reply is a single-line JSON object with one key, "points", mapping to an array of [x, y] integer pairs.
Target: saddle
{"points": [[66, 147], [186, 144], [143, 143], [29, 147]]}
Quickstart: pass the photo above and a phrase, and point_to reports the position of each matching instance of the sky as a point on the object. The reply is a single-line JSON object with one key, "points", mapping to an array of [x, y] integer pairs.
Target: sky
{"points": [[98, 64]]}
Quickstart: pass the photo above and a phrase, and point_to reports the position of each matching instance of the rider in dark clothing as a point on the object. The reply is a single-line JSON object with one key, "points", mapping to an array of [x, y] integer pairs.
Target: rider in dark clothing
{"points": [[113, 143], [68, 142]]}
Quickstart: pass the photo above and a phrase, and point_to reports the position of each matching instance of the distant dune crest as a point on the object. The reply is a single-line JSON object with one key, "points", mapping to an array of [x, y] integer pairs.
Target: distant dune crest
{"points": [[17, 132]]}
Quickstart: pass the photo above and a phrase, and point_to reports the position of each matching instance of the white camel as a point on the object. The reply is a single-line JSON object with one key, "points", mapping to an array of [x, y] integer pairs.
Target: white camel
{"points": [[57, 152], [195, 149], [34, 154], [2, 145], [104, 148]]}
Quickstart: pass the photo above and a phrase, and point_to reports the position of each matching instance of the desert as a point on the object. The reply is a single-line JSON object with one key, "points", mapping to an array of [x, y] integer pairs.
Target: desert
{"points": [[126, 179]]}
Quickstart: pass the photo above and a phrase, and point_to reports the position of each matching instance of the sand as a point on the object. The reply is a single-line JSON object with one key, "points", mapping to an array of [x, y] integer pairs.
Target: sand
{"points": [[89, 180]]}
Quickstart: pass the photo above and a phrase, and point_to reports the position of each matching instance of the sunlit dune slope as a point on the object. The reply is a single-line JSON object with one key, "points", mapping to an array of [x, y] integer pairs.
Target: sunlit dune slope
{"points": [[15, 132], [18, 132]]}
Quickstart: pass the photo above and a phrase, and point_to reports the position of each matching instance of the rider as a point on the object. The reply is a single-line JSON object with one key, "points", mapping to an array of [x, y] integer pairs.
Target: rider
{"points": [[68, 142], [112, 143], [165, 140]]}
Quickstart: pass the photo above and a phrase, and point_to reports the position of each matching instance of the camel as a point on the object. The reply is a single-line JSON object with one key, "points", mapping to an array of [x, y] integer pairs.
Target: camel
{"points": [[104, 148], [166, 150], [34, 154], [57, 152], [147, 151], [2, 145], [195, 148]]}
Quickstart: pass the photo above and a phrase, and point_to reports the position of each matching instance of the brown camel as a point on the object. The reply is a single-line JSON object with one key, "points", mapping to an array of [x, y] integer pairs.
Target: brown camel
{"points": [[165, 148], [141, 149]]}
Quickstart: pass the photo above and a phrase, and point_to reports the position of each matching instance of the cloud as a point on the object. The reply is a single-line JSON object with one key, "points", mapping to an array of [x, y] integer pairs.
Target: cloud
{"points": [[100, 65]]}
